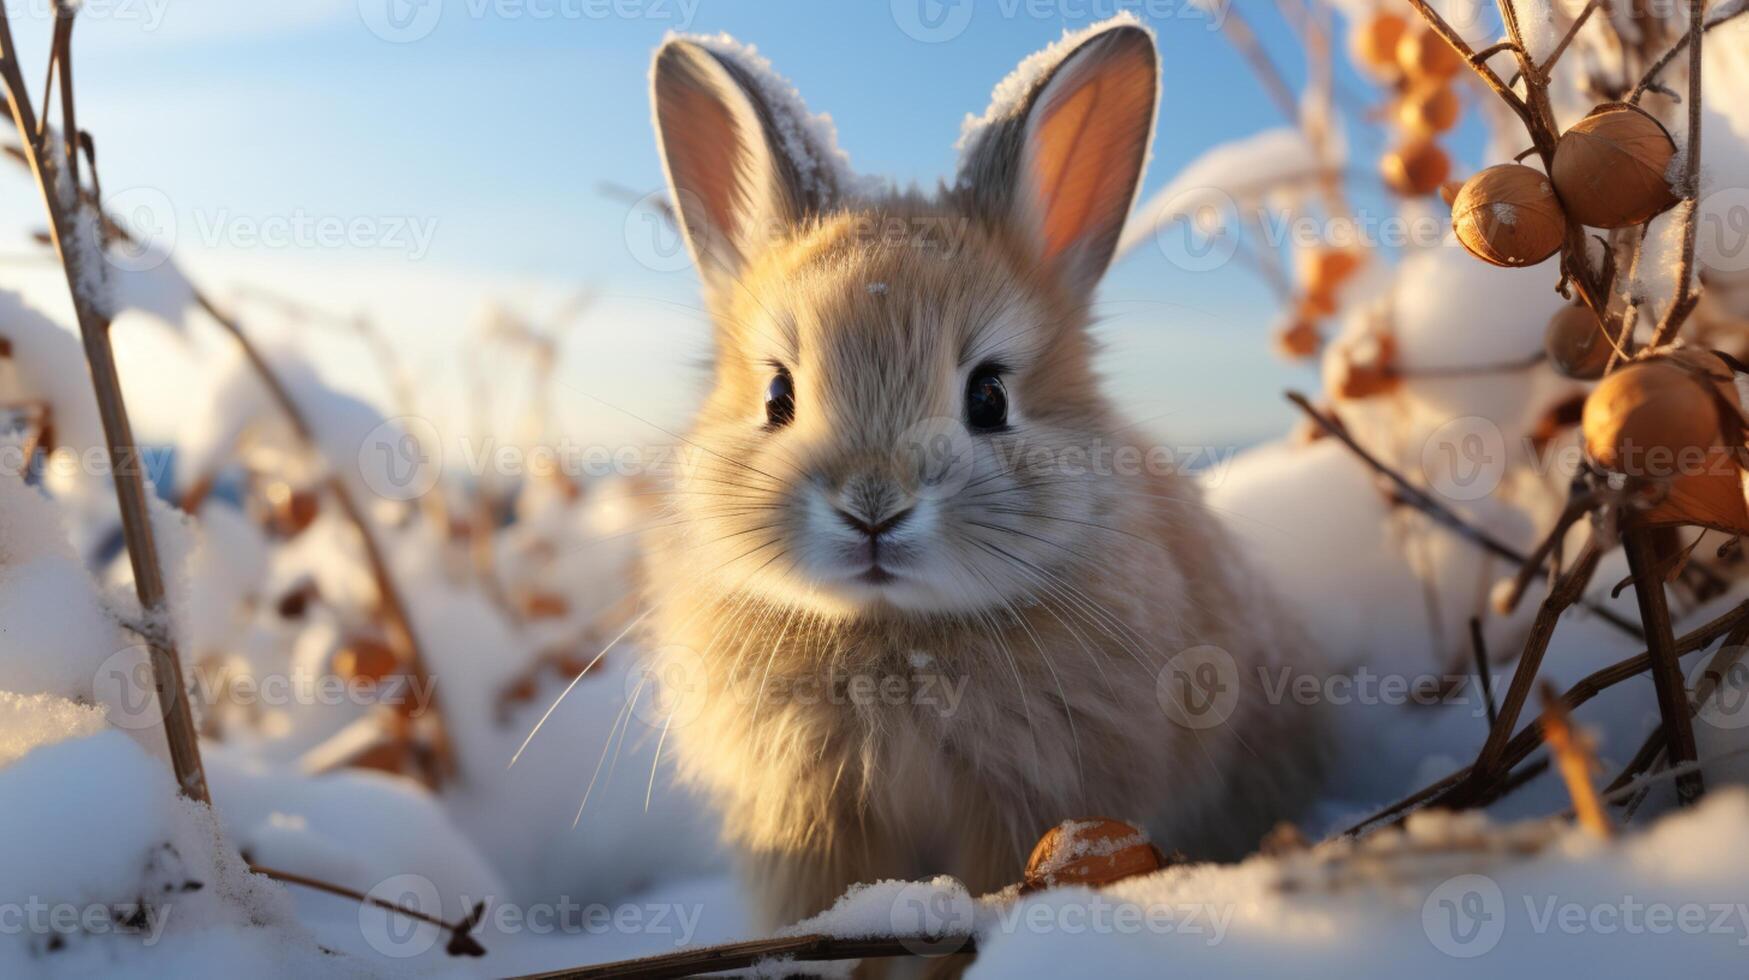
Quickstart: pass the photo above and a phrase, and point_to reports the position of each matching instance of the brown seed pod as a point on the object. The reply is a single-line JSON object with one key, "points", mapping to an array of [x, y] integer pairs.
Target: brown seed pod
{"points": [[1423, 54], [1428, 108], [1417, 167], [1508, 215], [1575, 343], [1298, 339], [1644, 418], [1365, 368], [1448, 191], [367, 659], [1612, 167], [1089, 852], [1322, 270], [1373, 42], [1315, 305], [544, 605]]}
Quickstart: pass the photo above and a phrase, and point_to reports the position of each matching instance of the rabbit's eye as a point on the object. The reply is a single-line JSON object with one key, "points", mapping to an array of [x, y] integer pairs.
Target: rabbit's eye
{"points": [[986, 399], [780, 400]]}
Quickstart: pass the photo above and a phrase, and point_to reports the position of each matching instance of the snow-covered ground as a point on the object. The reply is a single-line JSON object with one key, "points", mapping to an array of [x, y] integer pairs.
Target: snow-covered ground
{"points": [[584, 851]]}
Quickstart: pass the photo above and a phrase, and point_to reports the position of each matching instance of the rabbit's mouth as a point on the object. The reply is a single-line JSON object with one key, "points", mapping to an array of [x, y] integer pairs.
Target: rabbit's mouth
{"points": [[876, 575]]}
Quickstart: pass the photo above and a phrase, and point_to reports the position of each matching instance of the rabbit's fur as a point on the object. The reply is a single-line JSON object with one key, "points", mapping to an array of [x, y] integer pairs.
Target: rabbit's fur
{"points": [[1018, 668]]}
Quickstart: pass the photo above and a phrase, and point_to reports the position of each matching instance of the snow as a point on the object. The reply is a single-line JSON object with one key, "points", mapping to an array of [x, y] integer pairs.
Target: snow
{"points": [[809, 139], [1231, 175], [1009, 94], [1436, 900], [588, 830]]}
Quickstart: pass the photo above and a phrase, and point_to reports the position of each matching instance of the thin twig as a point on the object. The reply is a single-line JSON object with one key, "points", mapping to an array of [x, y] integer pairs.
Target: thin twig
{"points": [[739, 956], [1488, 75], [123, 451], [1667, 679], [1419, 499], [1566, 39], [1480, 647], [402, 636], [1525, 742], [1684, 301], [1574, 760], [1650, 79], [461, 940]]}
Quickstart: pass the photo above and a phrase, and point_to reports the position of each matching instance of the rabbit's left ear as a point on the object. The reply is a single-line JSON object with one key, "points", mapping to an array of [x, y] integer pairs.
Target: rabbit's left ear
{"points": [[1060, 164]]}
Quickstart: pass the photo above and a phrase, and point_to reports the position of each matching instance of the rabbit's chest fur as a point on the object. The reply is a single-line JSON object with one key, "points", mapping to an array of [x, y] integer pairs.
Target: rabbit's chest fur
{"points": [[904, 747]]}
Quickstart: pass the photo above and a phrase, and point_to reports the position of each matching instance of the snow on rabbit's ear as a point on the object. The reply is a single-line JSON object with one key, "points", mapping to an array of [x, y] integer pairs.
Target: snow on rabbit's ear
{"points": [[1059, 154], [744, 156]]}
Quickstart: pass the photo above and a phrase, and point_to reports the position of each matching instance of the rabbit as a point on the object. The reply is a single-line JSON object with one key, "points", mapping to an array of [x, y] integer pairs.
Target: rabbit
{"points": [[920, 597]]}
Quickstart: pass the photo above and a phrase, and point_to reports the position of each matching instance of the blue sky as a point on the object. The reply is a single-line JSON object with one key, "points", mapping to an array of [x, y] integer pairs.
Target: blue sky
{"points": [[498, 123]]}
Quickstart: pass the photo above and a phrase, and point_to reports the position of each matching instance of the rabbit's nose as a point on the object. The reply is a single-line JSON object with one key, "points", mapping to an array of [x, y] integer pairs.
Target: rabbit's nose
{"points": [[872, 528]]}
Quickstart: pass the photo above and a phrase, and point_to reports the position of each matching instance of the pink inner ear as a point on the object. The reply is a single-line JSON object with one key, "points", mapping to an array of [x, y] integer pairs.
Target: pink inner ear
{"points": [[703, 145], [1086, 148]]}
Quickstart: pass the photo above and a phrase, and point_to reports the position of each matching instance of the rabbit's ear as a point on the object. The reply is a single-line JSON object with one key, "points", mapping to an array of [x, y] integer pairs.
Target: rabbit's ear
{"points": [[1061, 162], [741, 159]]}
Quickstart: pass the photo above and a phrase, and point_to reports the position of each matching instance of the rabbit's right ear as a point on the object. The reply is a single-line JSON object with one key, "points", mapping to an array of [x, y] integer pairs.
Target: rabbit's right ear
{"points": [[738, 148]]}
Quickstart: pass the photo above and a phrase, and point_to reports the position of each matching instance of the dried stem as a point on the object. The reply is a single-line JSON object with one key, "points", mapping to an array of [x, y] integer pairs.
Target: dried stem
{"points": [[461, 941], [1667, 680], [402, 636], [1476, 62], [1576, 763], [1684, 301], [739, 956], [1566, 39], [1441, 514], [1651, 77], [1567, 588], [1525, 742], [123, 452]]}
